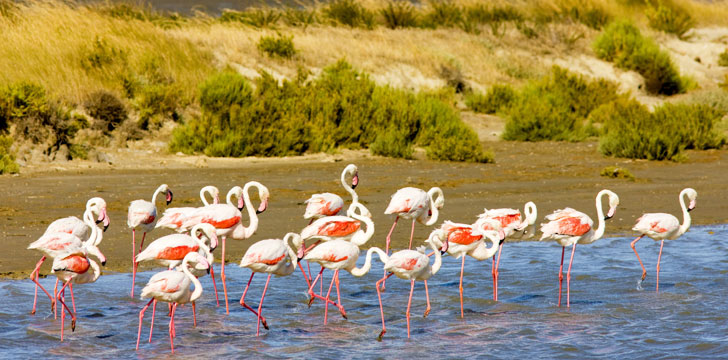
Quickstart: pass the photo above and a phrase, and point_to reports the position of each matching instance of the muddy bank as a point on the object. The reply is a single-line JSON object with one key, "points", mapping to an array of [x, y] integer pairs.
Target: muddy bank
{"points": [[553, 175]]}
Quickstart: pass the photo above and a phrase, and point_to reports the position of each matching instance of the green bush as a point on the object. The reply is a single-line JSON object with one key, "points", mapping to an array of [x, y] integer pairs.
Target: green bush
{"points": [[622, 43], [342, 108], [154, 92], [7, 159], [616, 172], [631, 131], [668, 17], [723, 58], [278, 46], [106, 108], [299, 17], [592, 16], [399, 14], [497, 98], [258, 17], [443, 13], [349, 13], [556, 107]]}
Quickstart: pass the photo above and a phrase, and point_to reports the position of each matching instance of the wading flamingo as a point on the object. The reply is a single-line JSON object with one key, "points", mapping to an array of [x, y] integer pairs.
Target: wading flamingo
{"points": [[661, 227], [171, 216], [143, 215], [414, 266], [328, 204], [173, 287], [73, 267], [272, 256], [514, 228], [571, 227], [337, 255], [464, 239]]}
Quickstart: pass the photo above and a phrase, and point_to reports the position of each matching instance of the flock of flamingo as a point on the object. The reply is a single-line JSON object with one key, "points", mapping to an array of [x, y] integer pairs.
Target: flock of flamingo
{"points": [[334, 243]]}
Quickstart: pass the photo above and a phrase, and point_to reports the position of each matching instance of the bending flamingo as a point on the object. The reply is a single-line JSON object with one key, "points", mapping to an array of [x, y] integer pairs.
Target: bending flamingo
{"points": [[337, 255], [414, 266], [172, 286], [143, 215], [571, 227], [328, 204], [464, 239], [661, 227], [272, 256], [514, 228], [172, 216], [73, 267]]}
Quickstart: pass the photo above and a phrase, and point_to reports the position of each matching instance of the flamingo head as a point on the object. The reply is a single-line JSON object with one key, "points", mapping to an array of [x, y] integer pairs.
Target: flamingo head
{"points": [[98, 206], [613, 203], [93, 250], [208, 231], [169, 196], [692, 196], [103, 218], [264, 194], [355, 180]]}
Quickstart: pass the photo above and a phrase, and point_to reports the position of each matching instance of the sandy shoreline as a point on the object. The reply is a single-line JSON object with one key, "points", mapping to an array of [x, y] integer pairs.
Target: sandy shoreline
{"points": [[553, 175]]}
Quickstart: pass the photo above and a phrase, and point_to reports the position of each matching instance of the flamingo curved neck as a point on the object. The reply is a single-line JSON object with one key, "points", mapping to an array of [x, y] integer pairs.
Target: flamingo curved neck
{"points": [[154, 197], [253, 226], [368, 262], [88, 219], [96, 269], [482, 252], [438, 259], [206, 190], [349, 189], [600, 215], [368, 233], [198, 287], [433, 207], [686, 215], [292, 242]]}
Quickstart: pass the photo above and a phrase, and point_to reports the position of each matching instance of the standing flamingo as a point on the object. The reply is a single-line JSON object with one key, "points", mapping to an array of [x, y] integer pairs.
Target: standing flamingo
{"points": [[328, 204], [143, 215], [661, 226], [464, 239], [414, 266], [226, 218], [569, 227], [171, 216], [337, 255], [172, 286], [73, 267], [272, 256], [514, 228]]}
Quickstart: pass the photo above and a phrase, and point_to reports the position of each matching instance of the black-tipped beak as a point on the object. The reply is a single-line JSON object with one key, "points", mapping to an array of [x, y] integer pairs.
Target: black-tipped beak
{"points": [[690, 209], [257, 211], [170, 196], [501, 242], [208, 271], [103, 263], [98, 221], [299, 259], [607, 217], [106, 227], [443, 252]]}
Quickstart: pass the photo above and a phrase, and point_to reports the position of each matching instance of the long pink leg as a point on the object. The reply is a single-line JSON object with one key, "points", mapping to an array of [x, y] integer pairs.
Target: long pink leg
{"points": [[194, 314], [133, 260], [412, 234], [171, 328], [561, 272], [260, 305], [568, 276], [306, 277], [55, 293], [386, 250], [36, 271], [136, 264], [154, 311], [462, 270], [381, 308], [409, 304], [427, 295], [321, 284], [644, 272], [338, 297], [495, 274], [310, 288], [59, 298], [73, 301], [222, 276], [242, 302], [214, 285], [657, 287], [141, 317], [328, 294]]}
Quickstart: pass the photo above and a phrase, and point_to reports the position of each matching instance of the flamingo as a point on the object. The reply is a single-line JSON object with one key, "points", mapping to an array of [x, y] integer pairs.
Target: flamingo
{"points": [[464, 239], [171, 216], [65, 235], [173, 287], [226, 218], [272, 256], [337, 255], [661, 226], [143, 215], [414, 266], [510, 221], [73, 267], [328, 204], [570, 227]]}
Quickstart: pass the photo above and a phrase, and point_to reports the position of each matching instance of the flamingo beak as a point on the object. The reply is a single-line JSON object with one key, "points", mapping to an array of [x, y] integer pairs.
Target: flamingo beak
{"points": [[355, 181], [103, 218], [691, 206], [610, 214], [444, 248], [241, 203], [217, 200], [262, 207], [169, 196], [103, 263], [213, 242]]}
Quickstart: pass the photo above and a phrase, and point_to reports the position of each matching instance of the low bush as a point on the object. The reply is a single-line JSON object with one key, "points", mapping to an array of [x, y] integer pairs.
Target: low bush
{"points": [[666, 16], [497, 98], [617, 172], [556, 107], [106, 108], [622, 43], [350, 13], [342, 108], [592, 15], [399, 14], [631, 131], [7, 159], [277, 46], [257, 17], [299, 17], [154, 92], [723, 58], [443, 13]]}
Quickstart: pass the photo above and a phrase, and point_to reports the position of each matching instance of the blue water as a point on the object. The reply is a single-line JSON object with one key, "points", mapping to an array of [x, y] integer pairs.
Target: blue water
{"points": [[608, 317]]}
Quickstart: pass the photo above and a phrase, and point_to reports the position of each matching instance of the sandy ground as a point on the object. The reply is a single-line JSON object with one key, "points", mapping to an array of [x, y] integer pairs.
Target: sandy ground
{"points": [[553, 175]]}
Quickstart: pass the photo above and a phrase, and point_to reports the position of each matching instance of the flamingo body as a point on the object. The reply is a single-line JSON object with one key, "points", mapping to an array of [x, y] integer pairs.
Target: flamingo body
{"points": [[658, 226], [325, 204], [409, 203], [568, 227], [268, 256]]}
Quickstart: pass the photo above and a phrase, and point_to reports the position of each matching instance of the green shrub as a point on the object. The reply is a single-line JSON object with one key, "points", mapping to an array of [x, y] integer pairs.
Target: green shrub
{"points": [[7, 159], [443, 13], [592, 16], [482, 14], [556, 107], [399, 14], [349, 13], [299, 17], [258, 17], [723, 58], [154, 93], [631, 131], [622, 43], [106, 108], [278, 46], [341, 108], [668, 17], [616, 172], [497, 98]]}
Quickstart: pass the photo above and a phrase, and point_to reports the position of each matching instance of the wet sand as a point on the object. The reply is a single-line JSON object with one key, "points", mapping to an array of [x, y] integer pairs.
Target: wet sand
{"points": [[553, 175]]}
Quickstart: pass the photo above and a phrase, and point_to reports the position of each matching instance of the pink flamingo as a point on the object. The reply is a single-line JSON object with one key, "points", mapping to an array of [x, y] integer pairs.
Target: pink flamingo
{"points": [[226, 218], [514, 228], [569, 227], [414, 266], [337, 255], [328, 204], [143, 215], [272, 256], [464, 239], [171, 216], [661, 226], [173, 287], [65, 235], [73, 267]]}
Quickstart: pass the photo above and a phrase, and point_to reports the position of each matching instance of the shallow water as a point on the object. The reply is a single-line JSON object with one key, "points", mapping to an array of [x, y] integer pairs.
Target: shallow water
{"points": [[608, 316]]}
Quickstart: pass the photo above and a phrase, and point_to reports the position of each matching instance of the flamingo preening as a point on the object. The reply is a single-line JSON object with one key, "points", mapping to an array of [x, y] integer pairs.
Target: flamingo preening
{"points": [[661, 227], [328, 204], [172, 286], [171, 215], [414, 266], [143, 215], [73, 267], [513, 226], [570, 227], [272, 256]]}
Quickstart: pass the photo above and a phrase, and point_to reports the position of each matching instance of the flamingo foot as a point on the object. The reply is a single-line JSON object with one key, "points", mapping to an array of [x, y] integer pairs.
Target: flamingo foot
{"points": [[310, 301], [343, 313], [73, 325], [381, 334], [265, 324], [427, 312]]}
